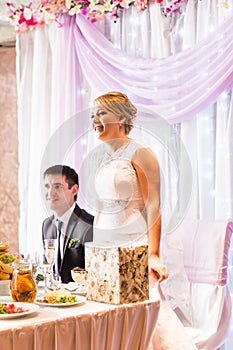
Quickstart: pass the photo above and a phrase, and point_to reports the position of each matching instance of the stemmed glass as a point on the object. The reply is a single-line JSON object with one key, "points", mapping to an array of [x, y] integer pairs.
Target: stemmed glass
{"points": [[79, 277], [50, 257]]}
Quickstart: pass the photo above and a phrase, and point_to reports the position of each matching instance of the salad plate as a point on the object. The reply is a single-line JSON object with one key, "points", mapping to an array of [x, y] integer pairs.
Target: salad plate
{"points": [[18, 309], [80, 301]]}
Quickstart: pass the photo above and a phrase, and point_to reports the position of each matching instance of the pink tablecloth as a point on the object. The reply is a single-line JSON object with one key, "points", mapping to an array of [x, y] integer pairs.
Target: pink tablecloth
{"points": [[92, 326]]}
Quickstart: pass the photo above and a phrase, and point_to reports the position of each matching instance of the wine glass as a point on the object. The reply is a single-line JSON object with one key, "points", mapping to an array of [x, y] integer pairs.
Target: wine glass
{"points": [[50, 257], [43, 272], [79, 277]]}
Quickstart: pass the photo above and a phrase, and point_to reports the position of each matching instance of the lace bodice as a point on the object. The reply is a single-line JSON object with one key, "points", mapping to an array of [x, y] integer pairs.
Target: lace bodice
{"points": [[119, 193]]}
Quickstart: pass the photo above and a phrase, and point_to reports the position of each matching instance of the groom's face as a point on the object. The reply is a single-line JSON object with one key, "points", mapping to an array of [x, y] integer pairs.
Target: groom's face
{"points": [[58, 194]]}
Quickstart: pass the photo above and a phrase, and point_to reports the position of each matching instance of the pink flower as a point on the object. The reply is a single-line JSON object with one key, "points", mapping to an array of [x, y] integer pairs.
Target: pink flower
{"points": [[29, 16], [141, 5]]}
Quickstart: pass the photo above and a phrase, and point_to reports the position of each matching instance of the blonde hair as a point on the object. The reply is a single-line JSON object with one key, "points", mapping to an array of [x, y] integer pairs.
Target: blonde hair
{"points": [[118, 103]]}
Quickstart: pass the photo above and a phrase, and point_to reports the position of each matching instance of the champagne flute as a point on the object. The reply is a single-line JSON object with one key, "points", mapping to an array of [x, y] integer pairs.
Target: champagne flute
{"points": [[50, 256]]}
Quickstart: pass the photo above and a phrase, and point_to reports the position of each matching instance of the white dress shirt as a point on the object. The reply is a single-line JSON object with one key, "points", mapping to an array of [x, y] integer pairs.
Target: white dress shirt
{"points": [[65, 219]]}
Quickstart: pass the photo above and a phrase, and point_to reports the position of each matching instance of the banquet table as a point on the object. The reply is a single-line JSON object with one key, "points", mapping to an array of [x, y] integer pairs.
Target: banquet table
{"points": [[88, 326]]}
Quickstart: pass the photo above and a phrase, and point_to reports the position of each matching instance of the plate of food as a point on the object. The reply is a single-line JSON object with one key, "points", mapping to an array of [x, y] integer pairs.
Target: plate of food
{"points": [[9, 310], [60, 298]]}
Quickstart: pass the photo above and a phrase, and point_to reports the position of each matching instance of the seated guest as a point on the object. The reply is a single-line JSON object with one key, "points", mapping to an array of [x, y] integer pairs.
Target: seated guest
{"points": [[71, 225]]}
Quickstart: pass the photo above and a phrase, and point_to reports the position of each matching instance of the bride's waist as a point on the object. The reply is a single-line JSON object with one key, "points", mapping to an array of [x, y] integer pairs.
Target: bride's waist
{"points": [[137, 204]]}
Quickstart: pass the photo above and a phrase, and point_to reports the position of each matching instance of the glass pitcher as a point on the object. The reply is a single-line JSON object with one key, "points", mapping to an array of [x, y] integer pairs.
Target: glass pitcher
{"points": [[23, 286]]}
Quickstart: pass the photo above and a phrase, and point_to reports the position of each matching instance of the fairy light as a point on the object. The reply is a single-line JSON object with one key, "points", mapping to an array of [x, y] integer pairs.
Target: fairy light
{"points": [[209, 175], [213, 193], [224, 95], [209, 161], [211, 28], [208, 131], [181, 33], [83, 141], [220, 52]]}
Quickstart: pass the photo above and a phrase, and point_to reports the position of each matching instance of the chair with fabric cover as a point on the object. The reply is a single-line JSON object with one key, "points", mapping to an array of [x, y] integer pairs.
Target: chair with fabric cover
{"points": [[196, 255]]}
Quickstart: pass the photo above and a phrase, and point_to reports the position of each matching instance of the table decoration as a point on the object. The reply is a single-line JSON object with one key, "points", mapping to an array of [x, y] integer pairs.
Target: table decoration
{"points": [[117, 274]]}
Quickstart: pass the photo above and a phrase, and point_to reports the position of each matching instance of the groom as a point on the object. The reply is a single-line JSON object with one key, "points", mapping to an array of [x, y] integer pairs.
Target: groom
{"points": [[71, 225]]}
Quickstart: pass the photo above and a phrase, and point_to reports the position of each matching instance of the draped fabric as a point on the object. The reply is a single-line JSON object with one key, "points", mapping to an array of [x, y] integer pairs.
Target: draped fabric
{"points": [[60, 70], [174, 87]]}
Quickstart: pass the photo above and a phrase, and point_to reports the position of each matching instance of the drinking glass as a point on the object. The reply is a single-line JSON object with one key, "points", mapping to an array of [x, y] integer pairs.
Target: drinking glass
{"points": [[50, 257], [50, 248], [79, 277]]}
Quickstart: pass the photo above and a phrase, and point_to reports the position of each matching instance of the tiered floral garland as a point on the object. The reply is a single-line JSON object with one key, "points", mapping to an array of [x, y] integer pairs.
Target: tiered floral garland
{"points": [[28, 17]]}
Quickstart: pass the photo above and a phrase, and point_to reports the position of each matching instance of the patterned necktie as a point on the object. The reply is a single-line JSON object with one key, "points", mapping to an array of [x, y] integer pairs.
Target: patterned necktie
{"points": [[58, 265]]}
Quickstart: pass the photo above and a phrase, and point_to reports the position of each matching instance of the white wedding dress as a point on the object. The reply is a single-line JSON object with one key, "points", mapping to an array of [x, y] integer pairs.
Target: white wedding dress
{"points": [[122, 221], [122, 217]]}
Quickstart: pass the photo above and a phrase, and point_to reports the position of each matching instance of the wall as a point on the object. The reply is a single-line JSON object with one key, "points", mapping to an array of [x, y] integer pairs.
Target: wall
{"points": [[9, 202]]}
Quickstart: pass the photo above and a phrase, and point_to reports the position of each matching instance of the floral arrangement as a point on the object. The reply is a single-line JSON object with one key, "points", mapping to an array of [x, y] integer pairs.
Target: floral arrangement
{"points": [[28, 16]]}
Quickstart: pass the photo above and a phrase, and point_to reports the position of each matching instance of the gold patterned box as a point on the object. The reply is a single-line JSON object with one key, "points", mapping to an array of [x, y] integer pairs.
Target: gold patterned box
{"points": [[117, 274]]}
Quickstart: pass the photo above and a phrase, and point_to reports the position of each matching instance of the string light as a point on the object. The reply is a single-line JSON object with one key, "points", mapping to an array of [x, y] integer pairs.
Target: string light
{"points": [[83, 141], [213, 193], [83, 91]]}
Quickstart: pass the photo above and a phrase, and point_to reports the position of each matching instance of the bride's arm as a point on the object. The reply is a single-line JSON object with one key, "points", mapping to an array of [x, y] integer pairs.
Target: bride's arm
{"points": [[148, 173], [98, 209]]}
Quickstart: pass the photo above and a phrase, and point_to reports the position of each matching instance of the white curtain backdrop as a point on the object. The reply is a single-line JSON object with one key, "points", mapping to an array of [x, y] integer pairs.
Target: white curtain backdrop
{"points": [[179, 67], [60, 70]]}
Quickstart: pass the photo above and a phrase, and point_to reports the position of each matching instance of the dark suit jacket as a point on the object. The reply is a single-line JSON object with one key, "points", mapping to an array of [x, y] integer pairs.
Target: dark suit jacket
{"points": [[80, 226]]}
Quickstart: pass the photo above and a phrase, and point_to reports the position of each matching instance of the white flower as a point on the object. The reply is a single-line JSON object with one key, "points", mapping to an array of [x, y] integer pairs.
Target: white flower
{"points": [[105, 7], [68, 3], [27, 13], [48, 17], [223, 4], [75, 10], [125, 3]]}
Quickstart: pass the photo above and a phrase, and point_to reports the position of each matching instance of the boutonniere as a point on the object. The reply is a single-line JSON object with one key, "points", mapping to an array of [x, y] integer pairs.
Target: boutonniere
{"points": [[73, 242]]}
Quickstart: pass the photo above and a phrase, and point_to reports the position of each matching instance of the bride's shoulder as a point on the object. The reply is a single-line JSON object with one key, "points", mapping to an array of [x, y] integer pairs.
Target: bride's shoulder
{"points": [[138, 145], [143, 152]]}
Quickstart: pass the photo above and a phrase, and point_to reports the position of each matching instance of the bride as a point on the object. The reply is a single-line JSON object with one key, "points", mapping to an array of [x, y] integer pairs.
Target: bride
{"points": [[127, 192]]}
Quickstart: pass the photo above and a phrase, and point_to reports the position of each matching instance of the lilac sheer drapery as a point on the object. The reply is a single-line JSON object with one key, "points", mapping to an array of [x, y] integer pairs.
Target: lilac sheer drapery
{"points": [[61, 69], [176, 87]]}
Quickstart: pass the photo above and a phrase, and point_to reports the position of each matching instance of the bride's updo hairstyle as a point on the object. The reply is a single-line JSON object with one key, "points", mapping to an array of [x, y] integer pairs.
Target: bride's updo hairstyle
{"points": [[119, 104]]}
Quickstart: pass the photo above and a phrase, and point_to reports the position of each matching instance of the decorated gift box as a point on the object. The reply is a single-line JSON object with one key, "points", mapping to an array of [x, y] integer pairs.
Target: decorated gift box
{"points": [[117, 274]]}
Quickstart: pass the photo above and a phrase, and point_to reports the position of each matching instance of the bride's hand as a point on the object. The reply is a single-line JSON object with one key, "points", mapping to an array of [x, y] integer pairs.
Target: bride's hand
{"points": [[156, 268]]}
